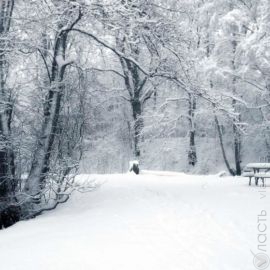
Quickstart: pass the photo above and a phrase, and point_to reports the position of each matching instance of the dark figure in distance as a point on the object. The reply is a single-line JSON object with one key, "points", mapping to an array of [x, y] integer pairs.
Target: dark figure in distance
{"points": [[135, 168]]}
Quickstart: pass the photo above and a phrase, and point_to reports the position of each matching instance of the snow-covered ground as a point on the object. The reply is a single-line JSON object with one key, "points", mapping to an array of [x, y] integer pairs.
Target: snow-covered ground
{"points": [[154, 221]]}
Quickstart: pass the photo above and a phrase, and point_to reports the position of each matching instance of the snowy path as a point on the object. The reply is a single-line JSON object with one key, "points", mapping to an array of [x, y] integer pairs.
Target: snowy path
{"points": [[155, 221]]}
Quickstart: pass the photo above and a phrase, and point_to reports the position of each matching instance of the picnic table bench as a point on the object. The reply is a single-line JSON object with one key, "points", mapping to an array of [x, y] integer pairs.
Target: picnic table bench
{"points": [[258, 171]]}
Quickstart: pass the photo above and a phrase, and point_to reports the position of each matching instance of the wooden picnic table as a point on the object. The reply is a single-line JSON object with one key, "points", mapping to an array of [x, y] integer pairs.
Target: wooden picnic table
{"points": [[258, 171], [258, 166]]}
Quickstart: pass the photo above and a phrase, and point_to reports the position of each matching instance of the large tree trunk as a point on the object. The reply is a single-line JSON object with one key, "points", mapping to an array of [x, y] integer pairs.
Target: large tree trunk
{"points": [[42, 156], [237, 148], [134, 85], [192, 153], [138, 126], [220, 136], [236, 132], [41, 161]]}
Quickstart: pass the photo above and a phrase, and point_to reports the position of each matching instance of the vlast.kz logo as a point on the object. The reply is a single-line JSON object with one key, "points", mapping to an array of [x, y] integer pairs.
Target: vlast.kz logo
{"points": [[261, 260]]}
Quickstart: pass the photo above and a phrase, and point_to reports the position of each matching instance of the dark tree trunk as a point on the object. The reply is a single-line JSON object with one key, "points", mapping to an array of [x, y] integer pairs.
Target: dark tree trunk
{"points": [[236, 131], [220, 136], [237, 149], [134, 85], [192, 154], [138, 125], [41, 160]]}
